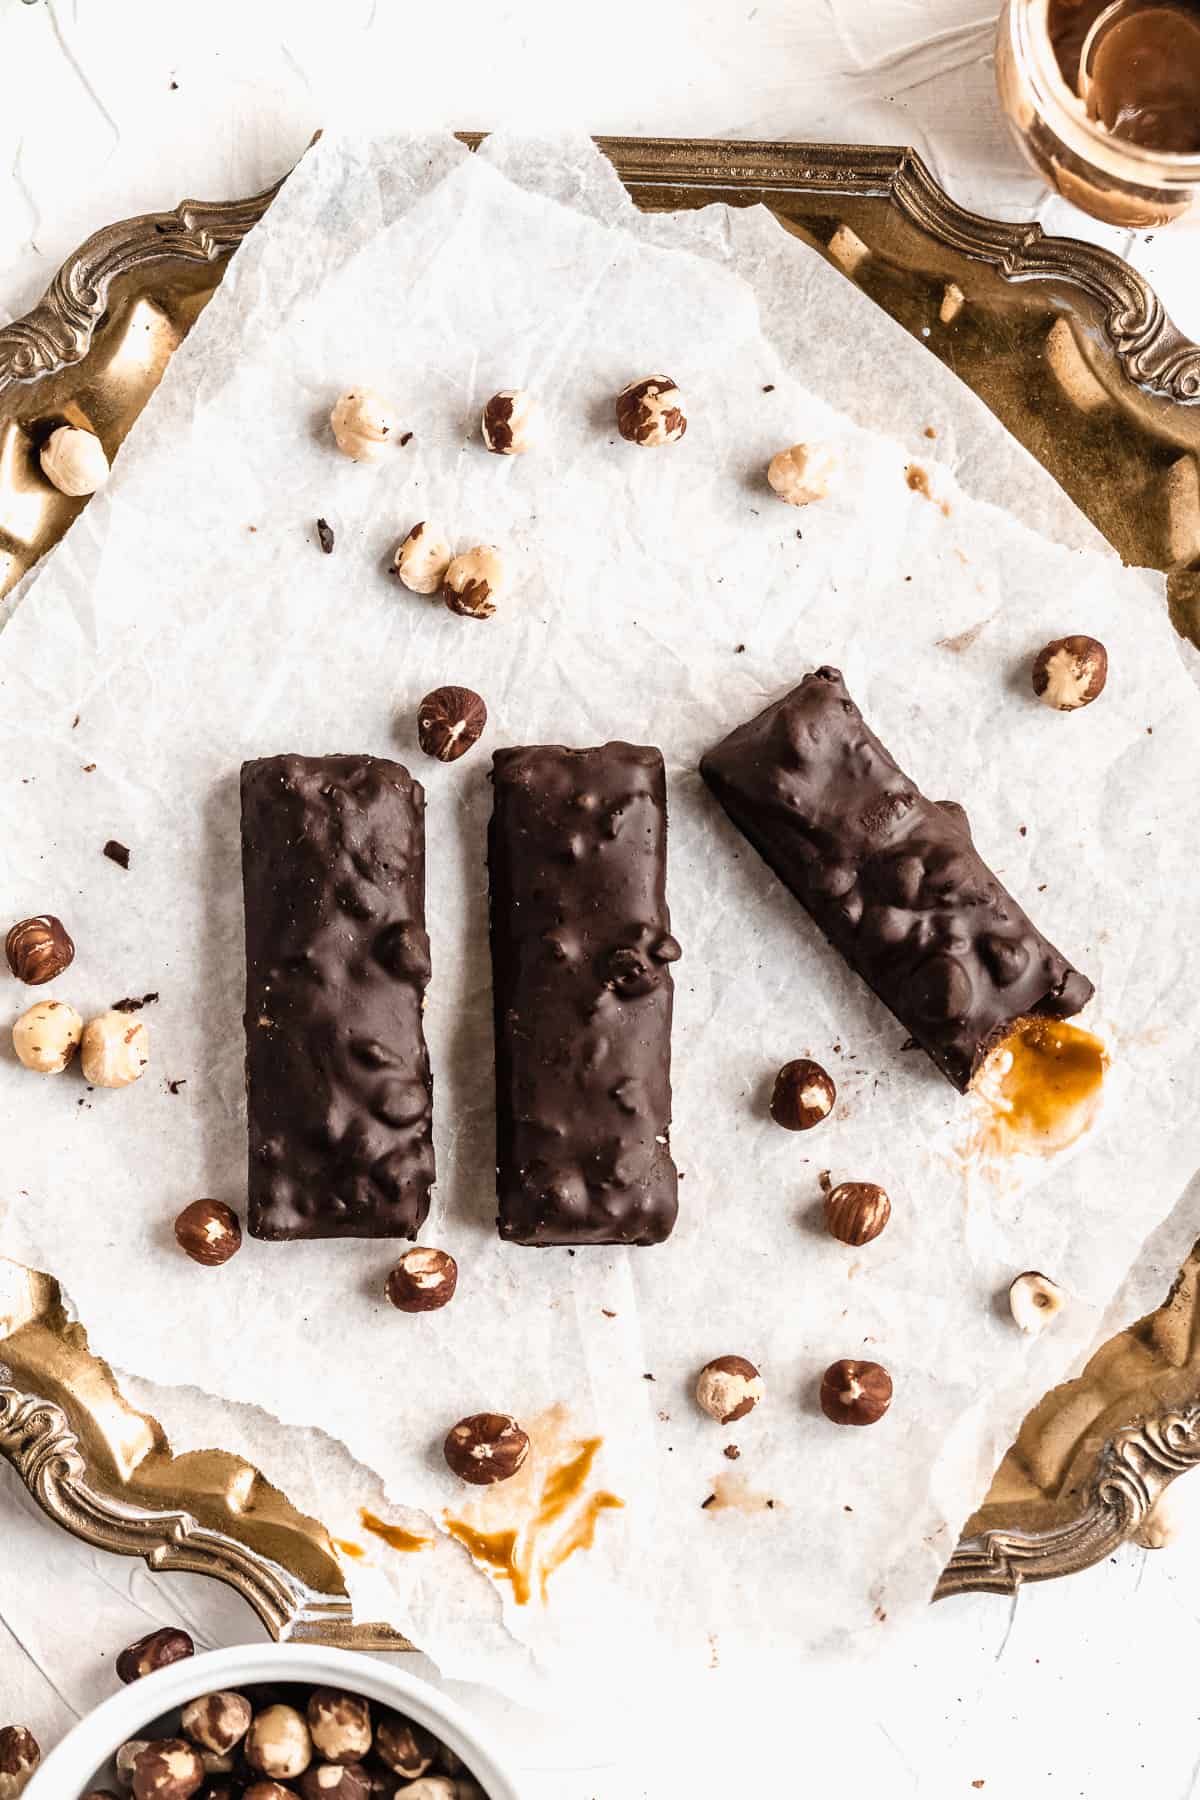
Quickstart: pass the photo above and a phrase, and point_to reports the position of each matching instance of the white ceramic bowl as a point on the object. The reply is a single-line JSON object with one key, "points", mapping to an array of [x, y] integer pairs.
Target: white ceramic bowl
{"points": [[71, 1769]]}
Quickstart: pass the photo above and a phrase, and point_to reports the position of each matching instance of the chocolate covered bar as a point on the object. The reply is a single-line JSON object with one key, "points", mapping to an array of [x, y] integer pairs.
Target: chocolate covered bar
{"points": [[892, 879], [581, 955], [338, 1088]]}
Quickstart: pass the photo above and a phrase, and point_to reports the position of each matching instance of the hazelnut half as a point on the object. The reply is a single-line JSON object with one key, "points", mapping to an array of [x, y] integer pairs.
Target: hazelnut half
{"points": [[363, 424], [114, 1050], [126, 1756], [217, 1722], [39, 949], [210, 1233], [471, 581], [407, 1749], [73, 460], [20, 1755], [802, 474], [449, 721], [855, 1393], [1034, 1300], [47, 1036], [157, 1650], [1070, 672], [339, 1724], [856, 1212], [168, 1769], [650, 412], [423, 1280], [422, 558], [485, 1448], [803, 1095], [278, 1743], [728, 1388], [509, 422]]}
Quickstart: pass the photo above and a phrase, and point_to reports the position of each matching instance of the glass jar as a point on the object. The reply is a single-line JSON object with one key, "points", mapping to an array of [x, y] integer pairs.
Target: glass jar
{"points": [[1114, 180]]}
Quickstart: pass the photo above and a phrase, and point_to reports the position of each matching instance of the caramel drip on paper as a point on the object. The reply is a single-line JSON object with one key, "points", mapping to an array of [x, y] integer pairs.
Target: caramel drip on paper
{"points": [[395, 1535], [495, 1551], [348, 1548], [1042, 1087]]}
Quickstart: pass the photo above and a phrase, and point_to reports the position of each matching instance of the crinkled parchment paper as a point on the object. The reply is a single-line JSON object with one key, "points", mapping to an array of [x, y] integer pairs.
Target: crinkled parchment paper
{"points": [[189, 620]]}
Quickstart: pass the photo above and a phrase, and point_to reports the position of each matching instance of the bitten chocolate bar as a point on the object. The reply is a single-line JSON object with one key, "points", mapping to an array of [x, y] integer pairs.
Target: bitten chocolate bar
{"points": [[892, 879], [338, 1088], [581, 955]]}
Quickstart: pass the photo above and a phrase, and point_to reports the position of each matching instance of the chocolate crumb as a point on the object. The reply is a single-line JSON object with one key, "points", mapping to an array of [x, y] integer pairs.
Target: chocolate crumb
{"points": [[732, 1452], [1149, 731], [173, 1087], [117, 853], [607, 1314], [1024, 830], [89, 768], [325, 536], [880, 1614], [252, 528], [74, 721], [738, 649], [770, 1506], [847, 1509], [406, 438], [1042, 888], [711, 1501], [930, 431], [770, 388], [174, 87], [132, 1005], [647, 1378]]}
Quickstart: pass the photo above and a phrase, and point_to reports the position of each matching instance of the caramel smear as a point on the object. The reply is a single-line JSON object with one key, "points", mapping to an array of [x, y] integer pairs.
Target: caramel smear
{"points": [[522, 1531], [346, 1547], [918, 480], [393, 1535], [1041, 1088]]}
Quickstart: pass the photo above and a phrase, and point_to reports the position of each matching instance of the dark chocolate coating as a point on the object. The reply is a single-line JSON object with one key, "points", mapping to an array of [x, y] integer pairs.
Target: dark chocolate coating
{"points": [[581, 954], [338, 1088], [892, 879]]}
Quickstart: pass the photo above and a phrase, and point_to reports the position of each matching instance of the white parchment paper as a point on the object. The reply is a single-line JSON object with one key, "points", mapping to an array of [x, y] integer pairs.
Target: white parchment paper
{"points": [[189, 620]]}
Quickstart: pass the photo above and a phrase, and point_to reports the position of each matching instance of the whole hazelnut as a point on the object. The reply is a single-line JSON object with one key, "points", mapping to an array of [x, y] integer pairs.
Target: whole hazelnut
{"points": [[339, 1724], [363, 425], [47, 1036], [157, 1650], [335, 1781], [509, 423], [471, 580], [168, 1769], [421, 559], [20, 1755], [855, 1393], [802, 474], [74, 461], [217, 1722], [268, 1790], [209, 1232], [1070, 672], [449, 721], [856, 1212], [407, 1749], [728, 1388], [803, 1095], [127, 1756], [432, 1787], [278, 1743], [114, 1050], [1034, 1300], [39, 949], [485, 1448], [423, 1280], [650, 412]]}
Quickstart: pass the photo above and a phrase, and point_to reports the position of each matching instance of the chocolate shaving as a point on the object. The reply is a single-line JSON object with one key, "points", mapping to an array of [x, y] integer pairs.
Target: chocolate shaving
{"points": [[117, 853], [131, 1005], [325, 536]]}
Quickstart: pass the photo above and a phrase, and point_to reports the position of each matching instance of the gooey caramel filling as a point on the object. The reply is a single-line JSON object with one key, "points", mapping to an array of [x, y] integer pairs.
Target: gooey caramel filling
{"points": [[1041, 1087]]}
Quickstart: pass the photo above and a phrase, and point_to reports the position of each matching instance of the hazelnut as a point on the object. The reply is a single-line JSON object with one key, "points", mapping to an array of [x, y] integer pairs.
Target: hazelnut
{"points": [[20, 1755], [217, 1722], [1033, 1300], [74, 461], [210, 1233], [218, 1762], [168, 1769], [339, 1724], [47, 1036], [1070, 672], [449, 721], [803, 1095], [421, 559], [335, 1781], [510, 421], [855, 1393], [268, 1790], [728, 1388], [278, 1743], [856, 1211], [114, 1051], [423, 1280], [126, 1756], [407, 1749], [39, 949], [363, 425], [802, 474], [486, 1447], [154, 1651], [471, 580], [650, 412], [432, 1787]]}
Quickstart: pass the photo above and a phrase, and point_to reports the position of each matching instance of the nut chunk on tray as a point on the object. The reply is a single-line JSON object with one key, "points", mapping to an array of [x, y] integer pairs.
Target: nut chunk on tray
{"points": [[339, 1092], [581, 955]]}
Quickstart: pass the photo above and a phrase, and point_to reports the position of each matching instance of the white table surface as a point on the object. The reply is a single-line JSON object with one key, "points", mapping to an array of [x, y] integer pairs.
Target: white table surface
{"points": [[1083, 1687]]}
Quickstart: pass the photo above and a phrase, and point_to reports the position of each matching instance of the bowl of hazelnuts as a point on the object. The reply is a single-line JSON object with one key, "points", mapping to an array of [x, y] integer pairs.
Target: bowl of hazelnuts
{"points": [[274, 1722]]}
